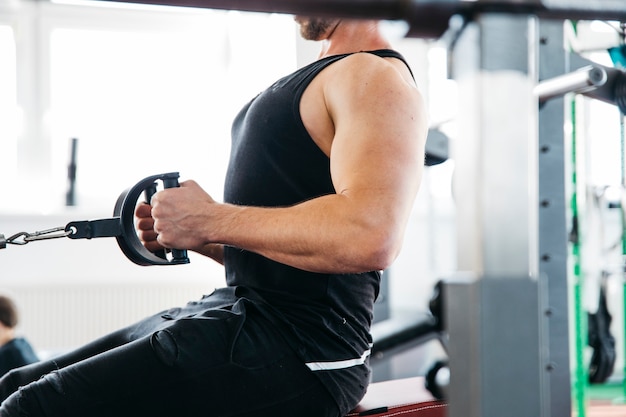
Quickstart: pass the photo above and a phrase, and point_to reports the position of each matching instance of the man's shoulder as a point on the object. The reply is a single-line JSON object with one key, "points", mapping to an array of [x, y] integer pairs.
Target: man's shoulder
{"points": [[363, 59], [366, 67]]}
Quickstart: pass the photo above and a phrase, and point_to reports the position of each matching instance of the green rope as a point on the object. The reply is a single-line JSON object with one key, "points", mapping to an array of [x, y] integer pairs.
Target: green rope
{"points": [[618, 57], [623, 218], [580, 318]]}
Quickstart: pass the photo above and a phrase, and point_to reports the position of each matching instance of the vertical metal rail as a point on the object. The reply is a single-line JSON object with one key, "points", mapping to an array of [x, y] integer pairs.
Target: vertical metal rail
{"points": [[553, 227]]}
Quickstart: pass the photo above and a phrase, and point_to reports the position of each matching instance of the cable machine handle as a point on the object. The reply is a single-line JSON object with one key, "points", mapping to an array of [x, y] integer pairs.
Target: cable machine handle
{"points": [[122, 225]]}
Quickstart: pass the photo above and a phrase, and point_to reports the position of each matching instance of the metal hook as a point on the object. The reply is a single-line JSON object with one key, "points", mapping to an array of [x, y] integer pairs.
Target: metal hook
{"points": [[54, 233], [39, 235]]}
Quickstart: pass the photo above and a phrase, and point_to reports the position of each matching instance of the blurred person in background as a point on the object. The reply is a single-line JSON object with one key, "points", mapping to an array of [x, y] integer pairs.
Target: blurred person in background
{"points": [[14, 351]]}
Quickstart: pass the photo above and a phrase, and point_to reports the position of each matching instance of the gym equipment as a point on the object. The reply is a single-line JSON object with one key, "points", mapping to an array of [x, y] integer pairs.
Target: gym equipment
{"points": [[438, 380], [594, 81], [602, 341], [70, 195], [121, 226], [426, 18], [401, 397], [437, 147], [393, 336], [409, 397]]}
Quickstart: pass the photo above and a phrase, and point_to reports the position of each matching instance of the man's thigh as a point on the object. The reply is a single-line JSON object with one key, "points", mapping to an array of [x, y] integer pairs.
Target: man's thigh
{"points": [[223, 361]]}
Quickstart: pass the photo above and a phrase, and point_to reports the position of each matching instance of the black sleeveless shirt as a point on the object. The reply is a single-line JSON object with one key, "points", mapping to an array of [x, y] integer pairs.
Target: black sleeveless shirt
{"points": [[275, 162]]}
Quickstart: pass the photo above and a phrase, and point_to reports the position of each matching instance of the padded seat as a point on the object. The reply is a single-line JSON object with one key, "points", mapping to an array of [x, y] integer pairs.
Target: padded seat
{"points": [[406, 397]]}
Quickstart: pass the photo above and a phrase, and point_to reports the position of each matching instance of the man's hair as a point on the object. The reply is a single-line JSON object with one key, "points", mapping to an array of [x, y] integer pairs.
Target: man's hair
{"points": [[8, 312]]}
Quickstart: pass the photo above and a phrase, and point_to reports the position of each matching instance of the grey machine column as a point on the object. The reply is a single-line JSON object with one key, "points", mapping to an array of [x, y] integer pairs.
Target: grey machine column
{"points": [[553, 225], [507, 305]]}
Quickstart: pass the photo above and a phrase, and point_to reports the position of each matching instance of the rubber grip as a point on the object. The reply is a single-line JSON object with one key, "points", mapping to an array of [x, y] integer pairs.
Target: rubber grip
{"points": [[177, 254]]}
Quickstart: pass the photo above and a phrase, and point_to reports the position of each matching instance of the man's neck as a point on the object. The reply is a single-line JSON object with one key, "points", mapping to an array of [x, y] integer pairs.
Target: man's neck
{"points": [[353, 36]]}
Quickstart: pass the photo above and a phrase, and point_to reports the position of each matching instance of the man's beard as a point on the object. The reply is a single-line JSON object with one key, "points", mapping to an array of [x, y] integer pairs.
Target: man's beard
{"points": [[315, 29]]}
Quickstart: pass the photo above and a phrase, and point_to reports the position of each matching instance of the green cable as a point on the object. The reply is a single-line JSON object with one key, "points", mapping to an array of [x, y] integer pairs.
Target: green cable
{"points": [[580, 319], [623, 218], [618, 57]]}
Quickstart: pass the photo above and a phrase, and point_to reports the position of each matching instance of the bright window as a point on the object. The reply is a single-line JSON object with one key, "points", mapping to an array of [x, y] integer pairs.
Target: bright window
{"points": [[604, 138], [147, 102], [144, 90], [9, 115], [139, 104]]}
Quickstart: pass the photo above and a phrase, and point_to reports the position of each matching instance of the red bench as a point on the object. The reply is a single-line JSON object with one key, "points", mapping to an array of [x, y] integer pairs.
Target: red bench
{"points": [[399, 398]]}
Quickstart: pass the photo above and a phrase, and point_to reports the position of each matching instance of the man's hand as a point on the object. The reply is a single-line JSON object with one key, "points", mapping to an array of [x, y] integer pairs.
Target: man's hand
{"points": [[145, 226], [178, 218], [182, 216]]}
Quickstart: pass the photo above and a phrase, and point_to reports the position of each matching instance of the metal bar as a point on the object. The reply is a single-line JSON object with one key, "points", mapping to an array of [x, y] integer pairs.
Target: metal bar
{"points": [[427, 18], [612, 91], [383, 9], [429, 21], [581, 81], [594, 81]]}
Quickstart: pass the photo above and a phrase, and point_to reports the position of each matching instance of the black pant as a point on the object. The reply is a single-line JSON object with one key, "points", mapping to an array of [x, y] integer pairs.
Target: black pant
{"points": [[225, 361]]}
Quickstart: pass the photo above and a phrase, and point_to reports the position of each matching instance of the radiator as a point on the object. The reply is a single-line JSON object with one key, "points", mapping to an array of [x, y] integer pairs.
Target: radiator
{"points": [[57, 318]]}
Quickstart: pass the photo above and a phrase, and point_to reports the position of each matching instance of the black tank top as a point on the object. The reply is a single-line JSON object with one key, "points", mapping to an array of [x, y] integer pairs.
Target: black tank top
{"points": [[275, 162]]}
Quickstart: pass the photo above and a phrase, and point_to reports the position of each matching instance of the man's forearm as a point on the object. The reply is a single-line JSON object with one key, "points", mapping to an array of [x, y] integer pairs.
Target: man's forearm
{"points": [[333, 233]]}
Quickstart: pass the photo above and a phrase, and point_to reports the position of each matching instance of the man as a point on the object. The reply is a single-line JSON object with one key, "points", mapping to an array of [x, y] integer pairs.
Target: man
{"points": [[324, 168], [14, 351]]}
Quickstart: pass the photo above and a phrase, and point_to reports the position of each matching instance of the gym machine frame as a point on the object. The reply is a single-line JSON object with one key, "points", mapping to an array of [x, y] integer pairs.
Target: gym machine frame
{"points": [[507, 316]]}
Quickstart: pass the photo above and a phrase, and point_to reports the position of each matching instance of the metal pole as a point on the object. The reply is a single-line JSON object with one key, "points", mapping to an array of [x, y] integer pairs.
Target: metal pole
{"points": [[581, 81], [498, 348], [553, 227]]}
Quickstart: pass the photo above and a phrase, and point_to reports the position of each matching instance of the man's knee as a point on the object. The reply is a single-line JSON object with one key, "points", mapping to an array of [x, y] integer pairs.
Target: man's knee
{"points": [[9, 383], [21, 403], [26, 401], [165, 347]]}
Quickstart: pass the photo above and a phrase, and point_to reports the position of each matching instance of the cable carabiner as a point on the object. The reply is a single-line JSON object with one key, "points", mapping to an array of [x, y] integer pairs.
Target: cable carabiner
{"points": [[39, 235]]}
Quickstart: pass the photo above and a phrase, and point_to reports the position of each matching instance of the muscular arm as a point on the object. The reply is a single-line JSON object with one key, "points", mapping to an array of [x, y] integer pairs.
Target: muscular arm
{"points": [[376, 152]]}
